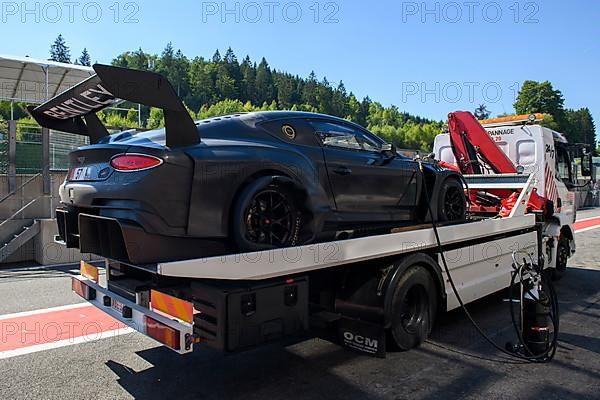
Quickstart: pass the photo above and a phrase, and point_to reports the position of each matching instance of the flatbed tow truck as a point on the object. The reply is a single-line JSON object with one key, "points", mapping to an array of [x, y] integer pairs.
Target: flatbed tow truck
{"points": [[357, 292]]}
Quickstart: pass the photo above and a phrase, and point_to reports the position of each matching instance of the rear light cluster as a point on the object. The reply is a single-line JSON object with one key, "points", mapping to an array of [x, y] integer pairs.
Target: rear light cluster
{"points": [[134, 162]]}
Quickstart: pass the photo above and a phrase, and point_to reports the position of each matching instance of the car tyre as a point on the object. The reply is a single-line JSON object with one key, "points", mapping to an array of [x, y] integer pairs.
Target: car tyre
{"points": [[266, 216], [414, 306], [562, 257], [452, 205]]}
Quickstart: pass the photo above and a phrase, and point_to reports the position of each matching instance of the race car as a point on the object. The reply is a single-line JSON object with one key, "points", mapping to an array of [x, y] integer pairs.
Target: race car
{"points": [[243, 182]]}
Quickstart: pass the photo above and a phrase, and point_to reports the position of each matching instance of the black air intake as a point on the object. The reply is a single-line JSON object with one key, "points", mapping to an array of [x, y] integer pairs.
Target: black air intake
{"points": [[102, 236]]}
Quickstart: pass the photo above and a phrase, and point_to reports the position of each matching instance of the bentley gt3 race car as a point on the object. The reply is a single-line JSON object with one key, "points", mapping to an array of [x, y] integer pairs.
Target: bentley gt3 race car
{"points": [[240, 182]]}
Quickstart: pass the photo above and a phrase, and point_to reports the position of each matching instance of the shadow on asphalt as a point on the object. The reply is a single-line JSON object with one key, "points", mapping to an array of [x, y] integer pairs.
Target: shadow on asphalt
{"points": [[266, 373], [453, 363]]}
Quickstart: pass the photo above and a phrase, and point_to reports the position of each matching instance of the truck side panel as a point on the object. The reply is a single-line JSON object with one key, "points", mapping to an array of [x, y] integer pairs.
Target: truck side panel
{"points": [[485, 268]]}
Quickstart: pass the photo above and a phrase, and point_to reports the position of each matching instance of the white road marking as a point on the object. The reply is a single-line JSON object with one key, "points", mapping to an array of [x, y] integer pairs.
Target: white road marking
{"points": [[589, 228], [44, 311], [588, 219], [63, 343]]}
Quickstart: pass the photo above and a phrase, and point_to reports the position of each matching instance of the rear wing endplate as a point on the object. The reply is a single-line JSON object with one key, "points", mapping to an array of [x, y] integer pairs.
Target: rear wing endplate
{"points": [[74, 110]]}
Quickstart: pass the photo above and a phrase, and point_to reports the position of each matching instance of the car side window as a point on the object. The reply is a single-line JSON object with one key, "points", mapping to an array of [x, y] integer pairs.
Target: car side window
{"points": [[338, 135]]}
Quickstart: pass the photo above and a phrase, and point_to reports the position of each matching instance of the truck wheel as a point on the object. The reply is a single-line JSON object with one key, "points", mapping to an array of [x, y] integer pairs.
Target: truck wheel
{"points": [[414, 306], [562, 256], [265, 217], [452, 204]]}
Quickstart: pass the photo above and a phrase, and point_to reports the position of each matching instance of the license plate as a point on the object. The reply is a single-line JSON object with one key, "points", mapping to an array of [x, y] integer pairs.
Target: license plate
{"points": [[116, 305], [80, 174]]}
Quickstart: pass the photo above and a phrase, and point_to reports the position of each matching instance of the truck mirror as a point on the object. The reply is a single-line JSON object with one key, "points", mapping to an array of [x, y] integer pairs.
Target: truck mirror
{"points": [[586, 164]]}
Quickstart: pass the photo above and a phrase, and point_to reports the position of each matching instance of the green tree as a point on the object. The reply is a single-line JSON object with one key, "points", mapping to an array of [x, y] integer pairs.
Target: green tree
{"points": [[339, 101], [536, 97], [156, 118], [225, 84], [84, 58], [59, 51], [580, 127], [353, 109], [284, 84], [248, 84], [216, 58], [309, 92], [325, 97], [264, 82], [482, 112]]}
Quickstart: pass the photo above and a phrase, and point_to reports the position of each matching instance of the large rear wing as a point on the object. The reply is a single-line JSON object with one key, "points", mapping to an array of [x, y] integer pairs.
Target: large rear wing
{"points": [[74, 110]]}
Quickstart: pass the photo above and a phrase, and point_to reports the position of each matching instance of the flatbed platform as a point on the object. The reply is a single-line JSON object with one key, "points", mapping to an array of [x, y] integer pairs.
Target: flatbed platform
{"points": [[294, 260]]}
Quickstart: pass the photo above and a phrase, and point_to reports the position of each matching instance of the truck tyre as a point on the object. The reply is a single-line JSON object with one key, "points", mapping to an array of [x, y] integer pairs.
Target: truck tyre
{"points": [[562, 256], [265, 216], [414, 306], [452, 205]]}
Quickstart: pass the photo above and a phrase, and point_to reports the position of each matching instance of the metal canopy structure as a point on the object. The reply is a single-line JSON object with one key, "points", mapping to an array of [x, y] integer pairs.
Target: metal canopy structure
{"points": [[33, 81], [25, 79]]}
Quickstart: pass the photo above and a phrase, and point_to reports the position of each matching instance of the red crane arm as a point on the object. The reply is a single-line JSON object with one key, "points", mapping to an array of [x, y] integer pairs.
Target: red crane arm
{"points": [[471, 143]]}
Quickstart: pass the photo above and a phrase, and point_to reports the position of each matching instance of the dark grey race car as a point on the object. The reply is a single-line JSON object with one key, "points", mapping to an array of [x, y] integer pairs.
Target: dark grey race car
{"points": [[241, 182]]}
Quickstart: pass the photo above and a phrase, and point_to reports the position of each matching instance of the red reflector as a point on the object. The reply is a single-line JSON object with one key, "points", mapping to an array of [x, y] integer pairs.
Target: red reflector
{"points": [[134, 162], [290, 280], [82, 289], [163, 333]]}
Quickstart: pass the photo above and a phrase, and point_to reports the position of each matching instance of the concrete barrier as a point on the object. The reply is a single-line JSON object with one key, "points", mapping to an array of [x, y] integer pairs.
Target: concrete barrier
{"points": [[46, 252]]}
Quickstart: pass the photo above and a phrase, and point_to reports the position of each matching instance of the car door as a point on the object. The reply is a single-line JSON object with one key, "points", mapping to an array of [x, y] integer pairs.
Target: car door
{"points": [[363, 179]]}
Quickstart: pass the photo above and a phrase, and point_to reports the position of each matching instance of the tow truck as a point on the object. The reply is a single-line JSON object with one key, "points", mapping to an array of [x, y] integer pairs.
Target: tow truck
{"points": [[358, 292], [519, 144]]}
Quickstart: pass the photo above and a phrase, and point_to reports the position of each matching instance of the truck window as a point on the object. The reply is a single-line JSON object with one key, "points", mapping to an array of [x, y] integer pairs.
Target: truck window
{"points": [[563, 165]]}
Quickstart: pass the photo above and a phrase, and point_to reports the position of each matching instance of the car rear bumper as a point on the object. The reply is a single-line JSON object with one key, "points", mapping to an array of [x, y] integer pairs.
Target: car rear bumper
{"points": [[128, 242]]}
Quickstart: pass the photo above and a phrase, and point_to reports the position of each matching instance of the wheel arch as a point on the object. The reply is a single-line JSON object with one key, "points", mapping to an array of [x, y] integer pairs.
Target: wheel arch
{"points": [[433, 178], [272, 175]]}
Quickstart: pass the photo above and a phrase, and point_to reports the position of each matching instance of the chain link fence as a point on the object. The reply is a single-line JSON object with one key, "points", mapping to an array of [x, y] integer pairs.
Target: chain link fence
{"points": [[29, 149], [3, 149]]}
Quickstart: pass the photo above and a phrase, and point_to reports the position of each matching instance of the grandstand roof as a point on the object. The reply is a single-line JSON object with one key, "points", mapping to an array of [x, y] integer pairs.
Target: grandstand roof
{"points": [[29, 80]]}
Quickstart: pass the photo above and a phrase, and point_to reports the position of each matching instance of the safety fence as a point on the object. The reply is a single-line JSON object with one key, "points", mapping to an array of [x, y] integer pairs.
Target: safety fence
{"points": [[29, 157]]}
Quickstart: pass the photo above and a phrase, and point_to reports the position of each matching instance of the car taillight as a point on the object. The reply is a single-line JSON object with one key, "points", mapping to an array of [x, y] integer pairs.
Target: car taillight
{"points": [[134, 162]]}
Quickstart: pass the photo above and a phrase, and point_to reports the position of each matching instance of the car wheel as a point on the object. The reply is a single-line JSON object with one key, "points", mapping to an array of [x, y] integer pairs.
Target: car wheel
{"points": [[452, 204], [414, 306], [562, 257], [265, 217]]}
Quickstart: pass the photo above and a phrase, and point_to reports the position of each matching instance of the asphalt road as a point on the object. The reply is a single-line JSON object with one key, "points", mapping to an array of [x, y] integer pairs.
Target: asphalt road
{"points": [[454, 363]]}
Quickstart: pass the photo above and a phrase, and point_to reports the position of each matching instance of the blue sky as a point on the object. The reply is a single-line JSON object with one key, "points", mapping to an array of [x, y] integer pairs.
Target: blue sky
{"points": [[427, 58]]}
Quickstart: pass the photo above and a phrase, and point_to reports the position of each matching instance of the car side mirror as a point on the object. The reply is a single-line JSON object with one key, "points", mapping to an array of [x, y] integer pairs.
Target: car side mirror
{"points": [[388, 149], [586, 164]]}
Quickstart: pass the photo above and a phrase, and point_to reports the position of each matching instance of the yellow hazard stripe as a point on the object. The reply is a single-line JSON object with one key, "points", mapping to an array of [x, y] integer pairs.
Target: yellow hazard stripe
{"points": [[89, 271], [184, 310]]}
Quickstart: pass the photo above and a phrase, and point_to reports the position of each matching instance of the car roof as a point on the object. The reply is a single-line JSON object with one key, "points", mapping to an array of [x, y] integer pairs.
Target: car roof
{"points": [[253, 118]]}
